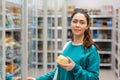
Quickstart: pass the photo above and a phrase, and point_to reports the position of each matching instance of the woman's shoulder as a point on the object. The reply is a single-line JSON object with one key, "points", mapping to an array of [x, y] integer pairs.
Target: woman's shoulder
{"points": [[93, 47], [92, 50], [66, 44]]}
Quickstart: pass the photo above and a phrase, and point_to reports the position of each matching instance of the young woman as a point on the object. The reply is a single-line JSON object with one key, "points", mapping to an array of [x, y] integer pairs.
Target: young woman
{"points": [[82, 53]]}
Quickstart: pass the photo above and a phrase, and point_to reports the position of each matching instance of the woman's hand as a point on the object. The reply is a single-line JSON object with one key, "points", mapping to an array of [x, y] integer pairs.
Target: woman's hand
{"points": [[68, 66], [18, 78], [28, 78]]}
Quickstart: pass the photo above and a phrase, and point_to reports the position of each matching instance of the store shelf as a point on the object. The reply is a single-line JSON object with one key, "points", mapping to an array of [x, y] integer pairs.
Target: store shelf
{"points": [[1, 41], [46, 38], [105, 64], [12, 27], [100, 16], [101, 27], [45, 47], [116, 43], [104, 52], [102, 40]]}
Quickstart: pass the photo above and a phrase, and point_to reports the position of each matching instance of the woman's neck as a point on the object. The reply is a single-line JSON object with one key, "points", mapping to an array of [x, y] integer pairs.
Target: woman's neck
{"points": [[78, 39]]}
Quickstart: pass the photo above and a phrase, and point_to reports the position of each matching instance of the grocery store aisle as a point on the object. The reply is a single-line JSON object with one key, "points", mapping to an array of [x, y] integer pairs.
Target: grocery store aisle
{"points": [[107, 74]]}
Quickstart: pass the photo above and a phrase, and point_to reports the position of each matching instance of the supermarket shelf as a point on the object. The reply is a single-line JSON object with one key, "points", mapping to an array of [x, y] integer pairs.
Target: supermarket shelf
{"points": [[101, 28], [104, 52], [100, 16], [102, 40], [105, 64], [13, 29]]}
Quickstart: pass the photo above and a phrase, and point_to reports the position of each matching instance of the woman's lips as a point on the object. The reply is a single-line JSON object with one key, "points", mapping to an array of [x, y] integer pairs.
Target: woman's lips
{"points": [[77, 30]]}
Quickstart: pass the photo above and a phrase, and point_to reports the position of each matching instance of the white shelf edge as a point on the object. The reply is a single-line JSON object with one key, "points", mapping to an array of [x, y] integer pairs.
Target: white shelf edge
{"points": [[104, 52], [101, 28], [100, 16], [102, 40], [105, 64]]}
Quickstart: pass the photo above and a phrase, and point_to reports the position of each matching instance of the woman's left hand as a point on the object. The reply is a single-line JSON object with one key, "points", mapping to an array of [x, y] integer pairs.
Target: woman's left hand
{"points": [[68, 66]]}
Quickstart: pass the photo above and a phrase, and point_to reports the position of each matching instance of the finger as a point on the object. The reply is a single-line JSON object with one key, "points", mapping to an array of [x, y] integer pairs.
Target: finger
{"points": [[70, 60], [18, 78], [64, 65], [30, 78]]}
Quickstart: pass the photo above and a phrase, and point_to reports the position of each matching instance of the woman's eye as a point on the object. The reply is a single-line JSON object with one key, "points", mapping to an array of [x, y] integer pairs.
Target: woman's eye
{"points": [[82, 22], [74, 21]]}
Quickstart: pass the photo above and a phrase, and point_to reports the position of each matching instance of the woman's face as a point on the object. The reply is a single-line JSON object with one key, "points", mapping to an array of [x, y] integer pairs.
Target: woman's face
{"points": [[78, 24]]}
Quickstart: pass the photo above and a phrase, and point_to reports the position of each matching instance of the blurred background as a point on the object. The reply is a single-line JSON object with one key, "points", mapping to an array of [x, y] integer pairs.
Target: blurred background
{"points": [[33, 33]]}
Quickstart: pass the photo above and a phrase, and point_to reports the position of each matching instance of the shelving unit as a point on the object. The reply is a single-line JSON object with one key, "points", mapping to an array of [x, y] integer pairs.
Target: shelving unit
{"points": [[46, 36], [13, 32], [117, 43], [102, 34], [10, 39], [1, 38], [48, 31]]}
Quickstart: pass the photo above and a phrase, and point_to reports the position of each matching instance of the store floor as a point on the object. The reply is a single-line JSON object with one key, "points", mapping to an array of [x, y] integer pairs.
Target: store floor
{"points": [[107, 74]]}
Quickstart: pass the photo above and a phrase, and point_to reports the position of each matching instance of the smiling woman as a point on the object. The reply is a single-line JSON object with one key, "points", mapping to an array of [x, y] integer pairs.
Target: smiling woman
{"points": [[80, 51], [80, 21], [79, 25]]}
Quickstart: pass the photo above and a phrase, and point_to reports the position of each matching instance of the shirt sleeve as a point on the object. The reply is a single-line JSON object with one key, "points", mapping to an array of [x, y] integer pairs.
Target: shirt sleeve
{"points": [[92, 70], [66, 44], [48, 76]]}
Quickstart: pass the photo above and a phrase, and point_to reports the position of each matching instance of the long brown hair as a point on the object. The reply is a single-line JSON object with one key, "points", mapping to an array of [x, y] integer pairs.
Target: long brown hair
{"points": [[87, 41]]}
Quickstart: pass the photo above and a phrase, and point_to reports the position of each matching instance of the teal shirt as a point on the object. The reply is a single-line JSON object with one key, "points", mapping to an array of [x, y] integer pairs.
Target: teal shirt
{"points": [[86, 64]]}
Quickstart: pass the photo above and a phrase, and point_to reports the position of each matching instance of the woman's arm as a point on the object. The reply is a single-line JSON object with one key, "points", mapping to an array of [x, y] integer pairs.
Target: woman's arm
{"points": [[92, 70], [48, 76]]}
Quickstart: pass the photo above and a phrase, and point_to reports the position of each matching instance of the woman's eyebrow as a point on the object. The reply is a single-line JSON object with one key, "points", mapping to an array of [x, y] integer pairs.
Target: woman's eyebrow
{"points": [[82, 20], [79, 20]]}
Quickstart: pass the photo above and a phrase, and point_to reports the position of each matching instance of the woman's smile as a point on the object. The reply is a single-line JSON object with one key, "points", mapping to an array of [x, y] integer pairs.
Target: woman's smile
{"points": [[77, 30]]}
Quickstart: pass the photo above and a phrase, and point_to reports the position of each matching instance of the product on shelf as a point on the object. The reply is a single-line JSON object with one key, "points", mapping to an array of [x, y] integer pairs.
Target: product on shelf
{"points": [[94, 11], [13, 17], [10, 42], [9, 39], [10, 67], [9, 76], [104, 46], [14, 9], [49, 57], [107, 10], [70, 9], [40, 45], [105, 58], [102, 34]]}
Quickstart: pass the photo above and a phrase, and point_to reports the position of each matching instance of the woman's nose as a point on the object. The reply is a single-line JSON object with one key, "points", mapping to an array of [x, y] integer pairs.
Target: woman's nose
{"points": [[78, 25]]}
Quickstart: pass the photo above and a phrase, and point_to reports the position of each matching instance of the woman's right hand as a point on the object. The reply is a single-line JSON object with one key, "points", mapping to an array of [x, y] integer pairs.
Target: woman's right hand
{"points": [[28, 78], [68, 66]]}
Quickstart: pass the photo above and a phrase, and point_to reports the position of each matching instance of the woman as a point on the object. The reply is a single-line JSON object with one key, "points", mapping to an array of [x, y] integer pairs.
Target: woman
{"points": [[83, 55]]}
